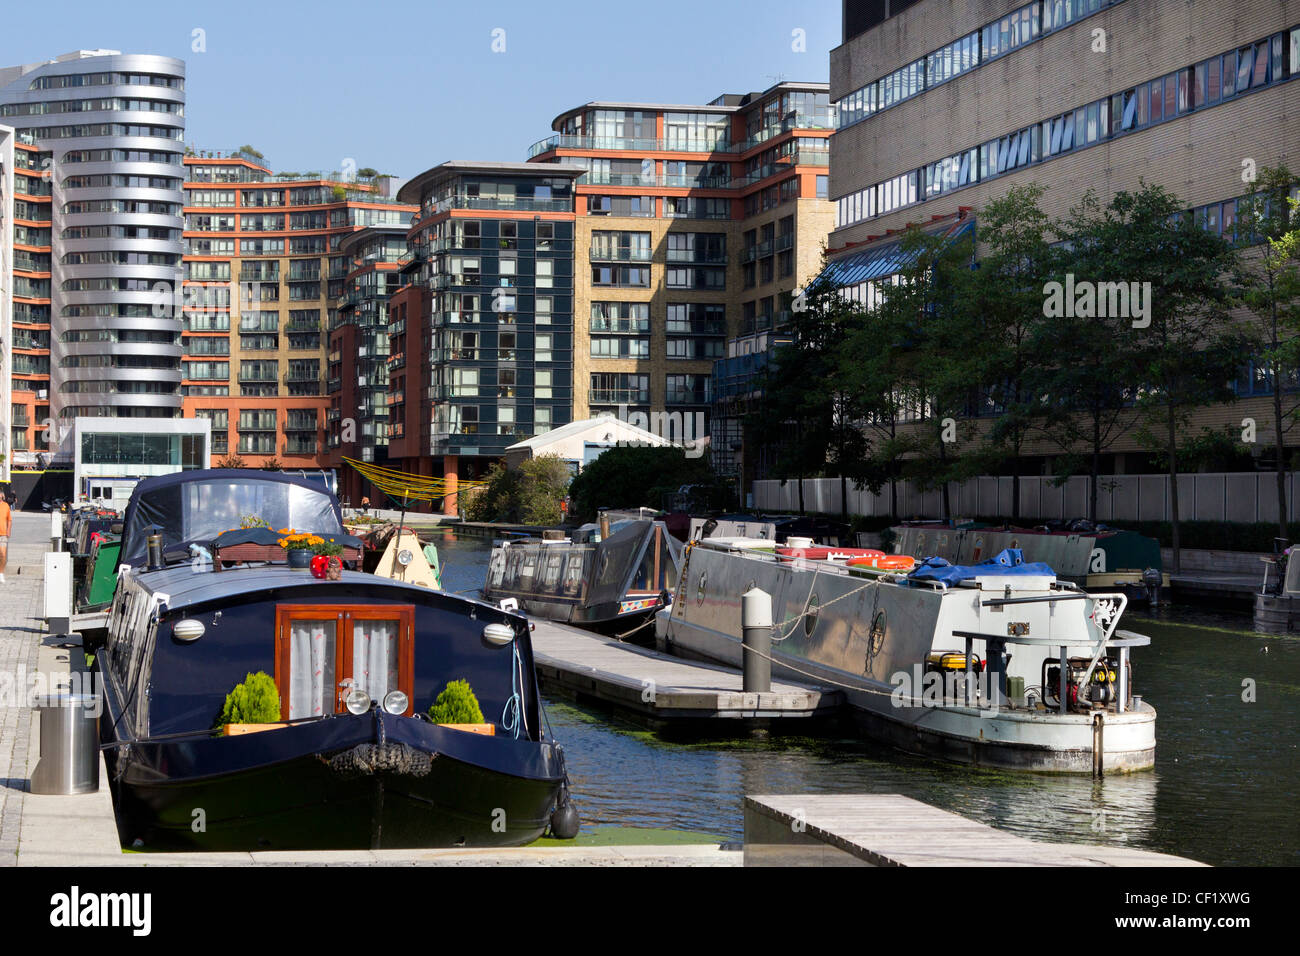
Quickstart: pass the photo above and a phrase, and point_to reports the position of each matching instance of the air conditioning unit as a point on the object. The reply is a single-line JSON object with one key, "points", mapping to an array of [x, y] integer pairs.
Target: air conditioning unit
{"points": [[42, 394]]}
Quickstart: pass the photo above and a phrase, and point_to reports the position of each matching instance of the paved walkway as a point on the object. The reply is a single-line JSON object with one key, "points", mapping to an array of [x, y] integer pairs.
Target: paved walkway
{"points": [[22, 627]]}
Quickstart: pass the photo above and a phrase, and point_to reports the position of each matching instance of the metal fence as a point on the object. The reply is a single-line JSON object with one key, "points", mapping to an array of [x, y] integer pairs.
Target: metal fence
{"points": [[1240, 497]]}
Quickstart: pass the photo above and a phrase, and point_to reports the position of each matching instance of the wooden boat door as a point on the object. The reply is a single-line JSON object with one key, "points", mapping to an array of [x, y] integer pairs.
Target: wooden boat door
{"points": [[324, 651]]}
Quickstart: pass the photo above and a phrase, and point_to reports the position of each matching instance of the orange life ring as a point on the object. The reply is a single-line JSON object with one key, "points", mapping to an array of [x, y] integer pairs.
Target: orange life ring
{"points": [[823, 553], [885, 562]]}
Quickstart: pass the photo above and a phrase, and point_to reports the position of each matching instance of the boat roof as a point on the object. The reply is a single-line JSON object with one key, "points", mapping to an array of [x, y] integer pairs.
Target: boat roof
{"points": [[184, 587], [160, 502]]}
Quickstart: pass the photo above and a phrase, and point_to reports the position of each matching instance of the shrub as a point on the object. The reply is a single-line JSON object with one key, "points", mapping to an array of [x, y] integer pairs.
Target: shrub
{"points": [[456, 705], [255, 701], [529, 494], [631, 476]]}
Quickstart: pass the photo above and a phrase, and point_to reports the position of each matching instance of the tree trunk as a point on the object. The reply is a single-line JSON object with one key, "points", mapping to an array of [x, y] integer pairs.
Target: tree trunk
{"points": [[844, 497], [800, 479], [945, 505], [1095, 470], [1280, 465], [1172, 435]]}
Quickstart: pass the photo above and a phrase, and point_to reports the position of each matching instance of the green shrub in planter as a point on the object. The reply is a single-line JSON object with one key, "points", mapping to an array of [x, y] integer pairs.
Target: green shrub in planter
{"points": [[456, 705], [255, 701]]}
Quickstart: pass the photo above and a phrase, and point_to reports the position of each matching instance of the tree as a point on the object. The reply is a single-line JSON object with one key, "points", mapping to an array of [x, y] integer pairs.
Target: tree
{"points": [[1004, 298], [1091, 383], [1271, 290], [1176, 278], [232, 461], [272, 464], [934, 349], [529, 494], [631, 476], [803, 405]]}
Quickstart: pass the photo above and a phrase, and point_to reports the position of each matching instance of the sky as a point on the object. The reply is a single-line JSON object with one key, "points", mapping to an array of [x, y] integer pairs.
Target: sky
{"points": [[403, 85]]}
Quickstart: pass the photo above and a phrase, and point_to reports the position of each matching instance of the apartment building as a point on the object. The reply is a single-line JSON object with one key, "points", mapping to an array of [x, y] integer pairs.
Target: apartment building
{"points": [[695, 224], [482, 330], [266, 272], [946, 104], [97, 231], [358, 384]]}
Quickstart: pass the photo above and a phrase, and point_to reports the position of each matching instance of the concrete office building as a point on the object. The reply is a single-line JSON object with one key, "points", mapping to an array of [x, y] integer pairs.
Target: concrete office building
{"points": [[108, 129], [946, 104]]}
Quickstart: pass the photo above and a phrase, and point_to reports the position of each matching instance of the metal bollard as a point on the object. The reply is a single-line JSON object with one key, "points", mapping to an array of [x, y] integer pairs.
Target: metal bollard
{"points": [[56, 530], [69, 745], [756, 635]]}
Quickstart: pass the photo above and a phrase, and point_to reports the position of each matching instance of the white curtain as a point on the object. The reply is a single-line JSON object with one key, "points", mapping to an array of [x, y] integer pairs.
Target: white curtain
{"points": [[311, 668], [374, 657]]}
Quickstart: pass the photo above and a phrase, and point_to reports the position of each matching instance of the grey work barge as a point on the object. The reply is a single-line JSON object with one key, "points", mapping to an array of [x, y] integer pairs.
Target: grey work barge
{"points": [[886, 829], [660, 687]]}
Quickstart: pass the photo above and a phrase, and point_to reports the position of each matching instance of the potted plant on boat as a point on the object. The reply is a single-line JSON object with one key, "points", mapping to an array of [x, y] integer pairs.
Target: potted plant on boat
{"points": [[457, 707], [328, 560], [254, 701], [299, 547]]}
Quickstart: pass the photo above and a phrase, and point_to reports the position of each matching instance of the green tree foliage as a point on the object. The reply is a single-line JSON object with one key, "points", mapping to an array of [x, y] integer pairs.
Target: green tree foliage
{"points": [[1186, 343], [255, 701], [232, 461], [456, 705], [1271, 290], [636, 476], [529, 494]]}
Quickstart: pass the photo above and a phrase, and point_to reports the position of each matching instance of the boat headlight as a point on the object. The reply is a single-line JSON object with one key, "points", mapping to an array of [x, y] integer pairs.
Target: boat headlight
{"points": [[395, 702], [358, 702], [498, 634], [404, 557], [188, 630]]}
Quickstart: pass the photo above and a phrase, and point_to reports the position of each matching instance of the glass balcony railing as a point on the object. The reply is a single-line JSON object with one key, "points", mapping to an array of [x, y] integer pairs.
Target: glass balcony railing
{"points": [[698, 256], [500, 202], [607, 254]]}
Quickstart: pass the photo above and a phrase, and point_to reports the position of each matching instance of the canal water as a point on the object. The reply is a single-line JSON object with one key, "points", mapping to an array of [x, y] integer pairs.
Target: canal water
{"points": [[1224, 790]]}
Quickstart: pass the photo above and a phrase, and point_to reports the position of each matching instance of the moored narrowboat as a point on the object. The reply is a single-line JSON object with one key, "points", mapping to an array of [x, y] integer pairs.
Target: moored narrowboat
{"points": [[350, 758], [608, 581]]}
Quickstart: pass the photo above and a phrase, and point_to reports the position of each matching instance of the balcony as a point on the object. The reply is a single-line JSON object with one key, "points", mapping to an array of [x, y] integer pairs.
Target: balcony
{"points": [[301, 375], [784, 241], [698, 257], [300, 446], [640, 144], [606, 254], [258, 375], [618, 396], [516, 204]]}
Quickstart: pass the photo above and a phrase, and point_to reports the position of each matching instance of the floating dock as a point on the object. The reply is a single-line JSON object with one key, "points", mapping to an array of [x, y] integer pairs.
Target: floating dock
{"points": [[886, 829], [661, 687]]}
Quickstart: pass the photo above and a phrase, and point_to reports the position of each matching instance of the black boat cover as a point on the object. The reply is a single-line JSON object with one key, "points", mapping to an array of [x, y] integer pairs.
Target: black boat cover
{"points": [[193, 507]]}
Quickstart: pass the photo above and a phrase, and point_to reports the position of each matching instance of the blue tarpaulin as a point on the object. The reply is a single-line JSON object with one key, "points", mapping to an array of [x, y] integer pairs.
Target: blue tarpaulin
{"points": [[1009, 561]]}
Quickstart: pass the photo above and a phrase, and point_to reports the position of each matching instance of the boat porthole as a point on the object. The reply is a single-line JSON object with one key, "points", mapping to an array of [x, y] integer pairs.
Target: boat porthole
{"points": [[699, 587], [810, 616]]}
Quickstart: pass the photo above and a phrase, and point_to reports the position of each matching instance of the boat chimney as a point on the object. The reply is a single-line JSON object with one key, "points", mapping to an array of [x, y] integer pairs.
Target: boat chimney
{"points": [[604, 526], [155, 548]]}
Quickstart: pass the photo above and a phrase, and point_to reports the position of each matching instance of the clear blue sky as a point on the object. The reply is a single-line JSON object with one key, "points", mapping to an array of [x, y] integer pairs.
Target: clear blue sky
{"points": [[404, 85]]}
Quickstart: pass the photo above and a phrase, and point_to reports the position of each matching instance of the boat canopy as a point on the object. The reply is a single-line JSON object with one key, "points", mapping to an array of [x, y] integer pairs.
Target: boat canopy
{"points": [[1007, 562], [193, 507]]}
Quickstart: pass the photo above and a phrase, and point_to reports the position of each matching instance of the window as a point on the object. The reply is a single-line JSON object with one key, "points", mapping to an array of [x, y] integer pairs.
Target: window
{"points": [[324, 651], [542, 350], [542, 383], [545, 272]]}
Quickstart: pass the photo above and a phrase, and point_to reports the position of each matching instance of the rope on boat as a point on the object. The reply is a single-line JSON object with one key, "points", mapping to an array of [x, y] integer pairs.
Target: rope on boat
{"points": [[793, 621], [642, 625], [513, 710]]}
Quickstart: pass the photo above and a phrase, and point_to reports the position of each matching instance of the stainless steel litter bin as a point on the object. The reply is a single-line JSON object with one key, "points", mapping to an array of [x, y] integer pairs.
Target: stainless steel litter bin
{"points": [[69, 760]]}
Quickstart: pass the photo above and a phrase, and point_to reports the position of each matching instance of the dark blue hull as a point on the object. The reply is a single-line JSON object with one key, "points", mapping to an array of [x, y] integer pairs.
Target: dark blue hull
{"points": [[345, 782]]}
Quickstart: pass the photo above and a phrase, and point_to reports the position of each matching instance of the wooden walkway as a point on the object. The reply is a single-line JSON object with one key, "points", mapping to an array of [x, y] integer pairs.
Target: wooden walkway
{"points": [[886, 829], [660, 686]]}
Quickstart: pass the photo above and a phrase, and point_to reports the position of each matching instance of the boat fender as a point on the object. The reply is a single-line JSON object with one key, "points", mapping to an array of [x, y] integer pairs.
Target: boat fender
{"points": [[564, 818]]}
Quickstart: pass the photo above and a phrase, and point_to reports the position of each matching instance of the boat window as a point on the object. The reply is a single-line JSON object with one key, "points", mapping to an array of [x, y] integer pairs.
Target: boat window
{"points": [[528, 570], [573, 573], [324, 651], [554, 562], [497, 570]]}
